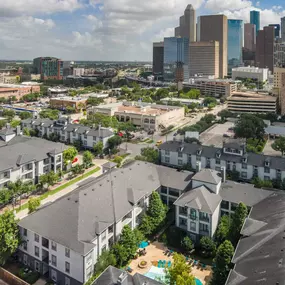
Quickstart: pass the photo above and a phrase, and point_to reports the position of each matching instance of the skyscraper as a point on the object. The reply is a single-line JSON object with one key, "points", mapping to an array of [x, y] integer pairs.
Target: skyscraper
{"points": [[175, 60], [276, 29], [283, 29], [235, 42], [255, 19], [157, 62], [187, 24], [265, 48], [48, 67], [249, 37], [215, 28]]}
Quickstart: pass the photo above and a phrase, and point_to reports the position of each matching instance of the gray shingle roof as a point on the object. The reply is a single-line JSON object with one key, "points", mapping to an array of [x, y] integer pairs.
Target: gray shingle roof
{"points": [[76, 219], [208, 175], [201, 199]]}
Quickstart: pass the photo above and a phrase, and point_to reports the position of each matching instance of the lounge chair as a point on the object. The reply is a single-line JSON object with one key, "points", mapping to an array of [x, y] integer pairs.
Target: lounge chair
{"points": [[169, 263], [129, 269]]}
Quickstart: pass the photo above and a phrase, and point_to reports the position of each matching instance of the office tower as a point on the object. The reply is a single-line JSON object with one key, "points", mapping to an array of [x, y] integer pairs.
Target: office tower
{"points": [[282, 95], [175, 60], [283, 29], [204, 59], [157, 62], [279, 54], [255, 19], [235, 42], [48, 68], [249, 37], [187, 24], [215, 28], [265, 48], [276, 30]]}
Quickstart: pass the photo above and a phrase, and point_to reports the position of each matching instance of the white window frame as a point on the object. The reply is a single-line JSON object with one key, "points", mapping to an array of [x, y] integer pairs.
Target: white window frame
{"points": [[25, 259], [53, 275], [37, 266]]}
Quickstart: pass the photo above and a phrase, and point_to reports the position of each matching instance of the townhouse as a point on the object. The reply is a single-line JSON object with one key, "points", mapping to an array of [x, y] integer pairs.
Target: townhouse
{"points": [[69, 133], [63, 240], [232, 156]]}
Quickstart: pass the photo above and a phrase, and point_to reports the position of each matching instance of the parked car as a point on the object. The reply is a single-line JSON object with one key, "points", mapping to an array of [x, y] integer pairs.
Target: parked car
{"points": [[226, 136]]}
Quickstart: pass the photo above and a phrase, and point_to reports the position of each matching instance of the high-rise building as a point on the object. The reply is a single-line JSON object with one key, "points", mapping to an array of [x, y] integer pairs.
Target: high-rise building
{"points": [[175, 60], [235, 42], [215, 28], [279, 54], [250, 37], [283, 29], [48, 68], [255, 19], [187, 24], [265, 48], [282, 95], [204, 59], [157, 62], [276, 29]]}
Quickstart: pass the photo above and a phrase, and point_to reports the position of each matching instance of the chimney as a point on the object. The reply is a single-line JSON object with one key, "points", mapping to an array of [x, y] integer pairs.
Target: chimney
{"points": [[123, 279], [18, 130], [99, 130], [198, 166], [223, 173]]}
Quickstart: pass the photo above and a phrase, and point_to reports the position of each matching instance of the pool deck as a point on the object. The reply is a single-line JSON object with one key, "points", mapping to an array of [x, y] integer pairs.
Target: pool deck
{"points": [[154, 253]]}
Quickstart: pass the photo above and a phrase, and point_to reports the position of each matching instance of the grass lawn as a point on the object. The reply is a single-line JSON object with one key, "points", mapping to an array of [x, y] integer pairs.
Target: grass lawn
{"points": [[59, 188]]}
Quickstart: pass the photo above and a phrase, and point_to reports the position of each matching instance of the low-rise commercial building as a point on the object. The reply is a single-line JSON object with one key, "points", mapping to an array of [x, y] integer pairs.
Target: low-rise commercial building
{"points": [[17, 90], [183, 101], [57, 91], [63, 103], [144, 115], [251, 72], [250, 102], [212, 87]]}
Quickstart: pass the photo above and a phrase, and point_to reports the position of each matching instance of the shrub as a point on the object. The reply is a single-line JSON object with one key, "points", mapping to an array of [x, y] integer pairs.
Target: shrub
{"points": [[33, 204], [208, 246], [187, 243]]}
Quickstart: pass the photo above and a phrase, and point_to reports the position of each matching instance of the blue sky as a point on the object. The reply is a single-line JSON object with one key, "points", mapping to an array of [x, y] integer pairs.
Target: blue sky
{"points": [[106, 29]]}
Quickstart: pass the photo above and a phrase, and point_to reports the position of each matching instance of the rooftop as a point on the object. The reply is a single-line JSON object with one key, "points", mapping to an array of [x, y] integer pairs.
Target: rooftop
{"points": [[251, 96], [67, 98], [208, 176]]}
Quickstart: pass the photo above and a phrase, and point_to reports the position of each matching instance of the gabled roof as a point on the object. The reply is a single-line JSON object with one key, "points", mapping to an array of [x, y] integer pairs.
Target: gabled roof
{"points": [[208, 176]]}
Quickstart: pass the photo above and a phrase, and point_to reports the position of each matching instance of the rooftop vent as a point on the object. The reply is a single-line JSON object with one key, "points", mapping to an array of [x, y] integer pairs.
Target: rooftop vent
{"points": [[76, 201]]}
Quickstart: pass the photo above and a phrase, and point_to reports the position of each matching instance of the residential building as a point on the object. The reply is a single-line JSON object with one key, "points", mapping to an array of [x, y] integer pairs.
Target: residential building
{"points": [[48, 68], [255, 20], [144, 115], [63, 103], [204, 58], [187, 24], [157, 61], [27, 158], [212, 87], [235, 43], [265, 48], [283, 29], [9, 90], [232, 156], [87, 221], [175, 59], [78, 71], [251, 72], [69, 133], [250, 36], [279, 54], [215, 28], [276, 30], [250, 102]]}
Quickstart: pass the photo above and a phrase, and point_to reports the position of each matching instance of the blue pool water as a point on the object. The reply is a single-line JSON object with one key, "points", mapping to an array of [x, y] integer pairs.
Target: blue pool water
{"points": [[143, 244], [198, 282]]}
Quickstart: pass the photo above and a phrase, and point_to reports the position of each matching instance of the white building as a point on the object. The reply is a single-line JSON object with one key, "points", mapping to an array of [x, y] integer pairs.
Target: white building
{"points": [[57, 91], [78, 71], [251, 72]]}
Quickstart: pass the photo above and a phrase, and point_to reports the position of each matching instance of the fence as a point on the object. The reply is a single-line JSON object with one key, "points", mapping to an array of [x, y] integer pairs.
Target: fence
{"points": [[10, 278]]}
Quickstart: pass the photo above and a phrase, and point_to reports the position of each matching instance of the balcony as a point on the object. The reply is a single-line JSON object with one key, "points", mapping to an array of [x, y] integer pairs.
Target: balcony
{"points": [[183, 213], [45, 256], [192, 217], [45, 243], [204, 218]]}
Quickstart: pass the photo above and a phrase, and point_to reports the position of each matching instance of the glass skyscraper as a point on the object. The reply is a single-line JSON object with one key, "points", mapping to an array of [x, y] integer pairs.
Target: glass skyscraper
{"points": [[235, 43], [175, 59], [255, 19]]}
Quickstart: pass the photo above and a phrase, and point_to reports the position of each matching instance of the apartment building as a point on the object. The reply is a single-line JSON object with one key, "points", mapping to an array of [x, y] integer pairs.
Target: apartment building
{"points": [[82, 224], [27, 158], [232, 156], [69, 133], [212, 87]]}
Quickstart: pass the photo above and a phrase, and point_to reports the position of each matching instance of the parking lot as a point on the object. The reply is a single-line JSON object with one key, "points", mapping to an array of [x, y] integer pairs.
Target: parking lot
{"points": [[215, 135]]}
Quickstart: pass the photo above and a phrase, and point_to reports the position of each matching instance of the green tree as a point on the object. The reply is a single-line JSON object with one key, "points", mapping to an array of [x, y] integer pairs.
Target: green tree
{"points": [[208, 246], [225, 114], [9, 114], [156, 210], [15, 123], [9, 236], [121, 254], [98, 148], [25, 115], [2, 124], [279, 145], [210, 100], [118, 159], [209, 118], [26, 132], [139, 236], [114, 141], [185, 279], [51, 114], [87, 158], [93, 101], [187, 243], [237, 222], [149, 154], [146, 226], [48, 179], [222, 260], [222, 232], [129, 241], [5, 196], [105, 259], [33, 204], [69, 155]]}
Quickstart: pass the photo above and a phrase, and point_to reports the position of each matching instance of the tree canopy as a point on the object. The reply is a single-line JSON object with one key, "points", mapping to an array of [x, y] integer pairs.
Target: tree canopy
{"points": [[128, 241], [279, 145], [104, 260], [222, 232], [69, 154], [87, 158], [33, 204], [149, 154], [25, 115], [51, 114]]}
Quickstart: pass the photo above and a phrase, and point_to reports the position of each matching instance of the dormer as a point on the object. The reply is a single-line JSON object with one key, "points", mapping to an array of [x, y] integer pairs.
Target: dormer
{"points": [[244, 159], [234, 147], [86, 132], [181, 148], [218, 154], [75, 130], [267, 162], [199, 151]]}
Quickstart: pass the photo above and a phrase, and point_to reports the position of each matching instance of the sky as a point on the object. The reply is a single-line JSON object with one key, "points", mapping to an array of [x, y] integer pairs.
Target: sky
{"points": [[107, 30]]}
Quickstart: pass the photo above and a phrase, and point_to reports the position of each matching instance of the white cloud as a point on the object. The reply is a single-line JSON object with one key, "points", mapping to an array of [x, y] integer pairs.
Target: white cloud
{"points": [[220, 5]]}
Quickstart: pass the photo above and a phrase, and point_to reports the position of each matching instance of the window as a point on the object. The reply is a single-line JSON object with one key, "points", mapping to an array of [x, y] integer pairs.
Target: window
{"points": [[180, 154], [244, 165], [25, 232], [173, 192], [67, 252], [89, 258], [88, 272], [104, 248], [278, 175], [167, 160], [266, 169], [37, 238], [193, 214], [103, 236], [94, 138], [233, 206], [67, 267], [25, 245], [244, 174], [53, 275], [84, 142], [183, 222], [218, 161], [25, 259], [6, 174], [180, 162], [163, 190], [183, 211], [193, 226], [203, 228], [53, 245], [204, 216], [225, 205], [85, 136], [167, 152], [266, 178], [37, 266], [53, 260], [67, 281], [37, 251], [189, 158], [198, 158]]}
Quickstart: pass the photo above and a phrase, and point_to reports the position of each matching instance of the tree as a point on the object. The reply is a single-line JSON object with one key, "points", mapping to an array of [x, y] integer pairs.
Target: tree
{"points": [[187, 243], [33, 204], [279, 145], [87, 158], [9, 236], [15, 123], [51, 114], [114, 141], [26, 132], [146, 226], [9, 114], [149, 154], [93, 101], [105, 259], [121, 254], [25, 115], [222, 232], [185, 279], [210, 100], [48, 179], [129, 241], [209, 118], [222, 260], [250, 126], [225, 114], [208, 246], [2, 124], [139, 236], [237, 222], [118, 159], [98, 148], [69, 154], [178, 270], [5, 196], [156, 210]]}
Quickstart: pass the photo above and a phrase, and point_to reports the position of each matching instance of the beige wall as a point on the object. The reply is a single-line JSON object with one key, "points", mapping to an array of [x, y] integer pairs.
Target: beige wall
{"points": [[278, 76]]}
